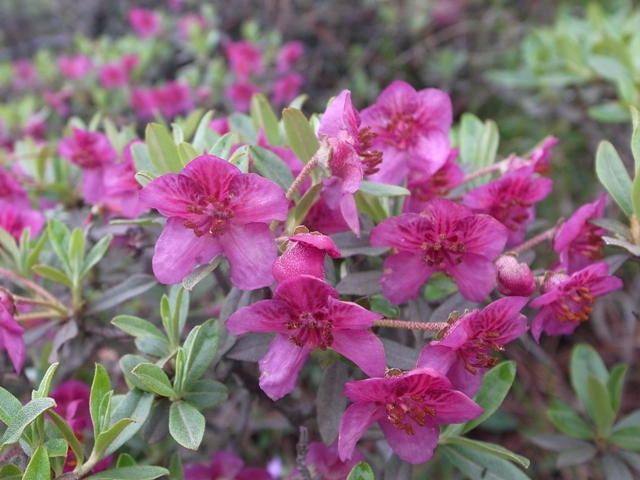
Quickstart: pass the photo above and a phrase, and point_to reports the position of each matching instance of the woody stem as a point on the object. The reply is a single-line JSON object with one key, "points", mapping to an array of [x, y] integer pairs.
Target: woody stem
{"points": [[33, 286], [532, 242], [427, 326], [484, 171], [301, 177]]}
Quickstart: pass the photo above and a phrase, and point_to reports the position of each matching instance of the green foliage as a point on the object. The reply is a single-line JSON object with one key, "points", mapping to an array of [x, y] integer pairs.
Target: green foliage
{"points": [[361, 471]]}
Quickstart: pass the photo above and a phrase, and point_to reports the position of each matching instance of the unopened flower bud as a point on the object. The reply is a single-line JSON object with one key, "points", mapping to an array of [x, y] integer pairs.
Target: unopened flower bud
{"points": [[514, 278], [552, 279], [7, 301]]}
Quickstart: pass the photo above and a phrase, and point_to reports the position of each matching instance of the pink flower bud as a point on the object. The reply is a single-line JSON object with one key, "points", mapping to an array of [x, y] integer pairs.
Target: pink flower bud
{"points": [[514, 278]]}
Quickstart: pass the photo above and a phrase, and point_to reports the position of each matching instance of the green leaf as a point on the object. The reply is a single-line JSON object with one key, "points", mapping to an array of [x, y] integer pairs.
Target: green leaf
{"points": [[200, 273], [615, 384], [297, 214], [38, 468], [206, 393], [584, 361], [615, 468], [95, 254], [271, 166], [487, 147], [9, 244], [479, 465], [9, 406], [135, 405], [76, 253], [565, 419], [610, 112], [133, 286], [361, 471], [300, 135], [142, 160], [138, 327], [613, 175], [199, 138], [111, 435], [376, 207], [263, 116], [45, 383], [191, 123], [125, 460], [576, 456], [491, 448], [139, 472], [59, 237], [162, 150], [382, 189], [175, 467], [200, 347], [127, 364], [242, 124], [154, 378], [100, 387], [53, 274], [23, 418], [470, 130], [626, 437], [187, 153], [186, 425], [494, 389], [635, 138], [635, 196], [222, 147], [10, 472], [603, 414], [67, 433]]}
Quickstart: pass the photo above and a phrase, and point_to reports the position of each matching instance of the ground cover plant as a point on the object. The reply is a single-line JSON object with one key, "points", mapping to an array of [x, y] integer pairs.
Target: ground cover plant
{"points": [[206, 272]]}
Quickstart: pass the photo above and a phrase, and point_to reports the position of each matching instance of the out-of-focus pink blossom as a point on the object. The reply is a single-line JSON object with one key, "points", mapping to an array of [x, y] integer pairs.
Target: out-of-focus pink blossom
{"points": [[24, 74], [10, 331], [175, 5], [146, 23], [225, 465], [541, 156], [35, 126], [76, 67], [286, 88], [113, 75], [245, 58], [129, 61], [11, 191], [72, 400], [289, 54], [240, 94], [170, 100], [326, 462], [220, 125], [514, 278], [58, 101], [15, 220]]}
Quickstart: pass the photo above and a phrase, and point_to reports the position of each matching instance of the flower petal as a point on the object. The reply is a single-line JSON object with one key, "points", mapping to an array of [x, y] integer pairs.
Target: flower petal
{"points": [[414, 449], [170, 194], [438, 357], [404, 275], [363, 348], [475, 276], [256, 199], [355, 422], [280, 366], [262, 316], [212, 173]]}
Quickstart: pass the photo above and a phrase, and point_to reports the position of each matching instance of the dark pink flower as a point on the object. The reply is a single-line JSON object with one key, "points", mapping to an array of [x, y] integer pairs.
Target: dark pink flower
{"points": [[174, 99], [510, 199], [93, 152], [424, 187], [72, 399], [114, 75], [220, 125], [35, 126], [409, 407], [11, 191], [306, 314], [146, 23], [446, 237], [412, 130], [304, 254], [14, 220], [240, 94], [286, 88], [541, 156], [464, 352], [10, 331], [514, 278], [214, 209], [224, 465], [289, 54], [144, 103], [58, 101], [25, 75], [326, 462], [566, 301], [129, 61], [579, 242], [244, 57], [322, 219], [76, 67]]}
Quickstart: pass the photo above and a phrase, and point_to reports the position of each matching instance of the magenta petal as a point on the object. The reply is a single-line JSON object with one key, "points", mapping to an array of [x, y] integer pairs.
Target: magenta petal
{"points": [[475, 276], [14, 343], [414, 449], [454, 407], [170, 194], [435, 105], [355, 422], [430, 152], [178, 250], [404, 232], [350, 213], [465, 381], [363, 348], [262, 316], [305, 293], [224, 464], [213, 173], [92, 184], [258, 199], [393, 169], [197, 472], [251, 251], [280, 366], [484, 234], [438, 357], [404, 275]]}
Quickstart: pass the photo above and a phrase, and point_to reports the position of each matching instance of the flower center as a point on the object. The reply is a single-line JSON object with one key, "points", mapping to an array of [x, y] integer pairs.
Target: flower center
{"points": [[446, 249], [370, 158], [400, 129], [435, 186], [475, 353], [575, 305], [213, 219], [412, 406], [510, 211], [313, 329], [590, 243]]}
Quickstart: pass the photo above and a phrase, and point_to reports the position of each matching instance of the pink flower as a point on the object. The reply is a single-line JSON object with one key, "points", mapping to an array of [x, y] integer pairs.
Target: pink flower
{"points": [[174, 99], [14, 220], [215, 209], [93, 152], [72, 399], [35, 126], [322, 219], [510, 199], [445, 237], [11, 191], [113, 75], [326, 462], [289, 54], [220, 125], [144, 103], [129, 61], [514, 278], [541, 156], [240, 94], [566, 300], [58, 101], [464, 353], [244, 57], [76, 67], [304, 255], [412, 130], [224, 465], [409, 408], [10, 331], [146, 23], [579, 242], [426, 187], [286, 88], [306, 314], [25, 75]]}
